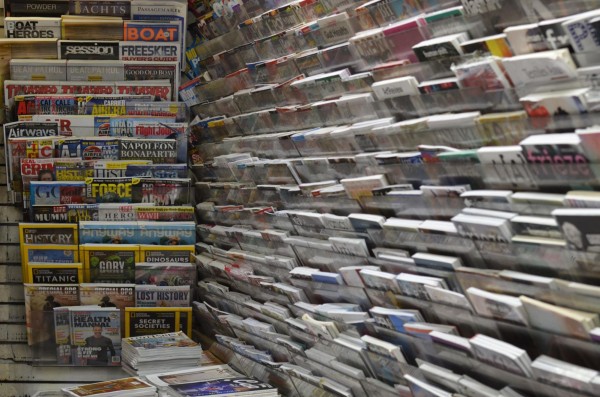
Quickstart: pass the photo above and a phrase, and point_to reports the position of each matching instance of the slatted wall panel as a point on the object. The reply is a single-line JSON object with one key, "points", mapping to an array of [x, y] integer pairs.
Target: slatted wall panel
{"points": [[18, 378]]}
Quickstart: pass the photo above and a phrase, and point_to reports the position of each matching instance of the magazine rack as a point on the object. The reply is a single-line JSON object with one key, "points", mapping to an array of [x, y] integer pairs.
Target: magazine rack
{"points": [[461, 363], [306, 128], [253, 368]]}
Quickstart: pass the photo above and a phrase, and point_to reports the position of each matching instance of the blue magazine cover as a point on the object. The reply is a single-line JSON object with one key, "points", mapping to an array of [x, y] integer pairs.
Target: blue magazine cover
{"points": [[107, 232], [234, 386], [93, 148], [157, 171], [167, 233], [125, 126], [56, 193], [155, 233], [40, 253]]}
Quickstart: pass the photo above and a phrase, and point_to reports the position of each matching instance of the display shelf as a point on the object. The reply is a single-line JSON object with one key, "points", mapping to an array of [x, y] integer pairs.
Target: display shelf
{"points": [[535, 342], [460, 363], [331, 293], [323, 370], [20, 372], [304, 131], [252, 368], [279, 353]]}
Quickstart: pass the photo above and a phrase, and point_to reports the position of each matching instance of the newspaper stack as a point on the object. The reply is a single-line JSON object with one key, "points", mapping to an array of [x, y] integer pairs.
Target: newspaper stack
{"points": [[144, 355], [130, 387]]}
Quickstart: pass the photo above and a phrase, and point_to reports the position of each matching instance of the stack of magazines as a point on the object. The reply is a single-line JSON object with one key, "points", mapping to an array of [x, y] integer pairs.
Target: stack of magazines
{"points": [[214, 380], [130, 387], [144, 355]]}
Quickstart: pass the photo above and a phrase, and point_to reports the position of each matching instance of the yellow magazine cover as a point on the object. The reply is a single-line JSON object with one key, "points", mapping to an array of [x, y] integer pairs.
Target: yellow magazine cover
{"points": [[113, 168], [54, 273], [507, 128], [166, 253], [46, 233], [142, 321], [109, 263], [69, 171]]}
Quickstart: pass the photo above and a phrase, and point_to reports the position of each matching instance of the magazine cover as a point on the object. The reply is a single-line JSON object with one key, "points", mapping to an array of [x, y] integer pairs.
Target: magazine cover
{"points": [[62, 334], [115, 168], [36, 69], [109, 263], [153, 31], [168, 11], [170, 109], [167, 233], [31, 27], [92, 148], [110, 386], [96, 8], [114, 105], [223, 387], [160, 90], [56, 192], [155, 150], [154, 128], [192, 375], [158, 233], [108, 232], [81, 212], [25, 129], [127, 126], [35, 170], [162, 296], [162, 192], [26, 148], [140, 321], [118, 212], [66, 213], [158, 171], [110, 190], [40, 301], [43, 273], [95, 70], [149, 51], [71, 169], [52, 104], [73, 125], [47, 233], [165, 213], [165, 273], [161, 254], [579, 228], [107, 295], [49, 214], [49, 253], [155, 71], [146, 345], [95, 336]]}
